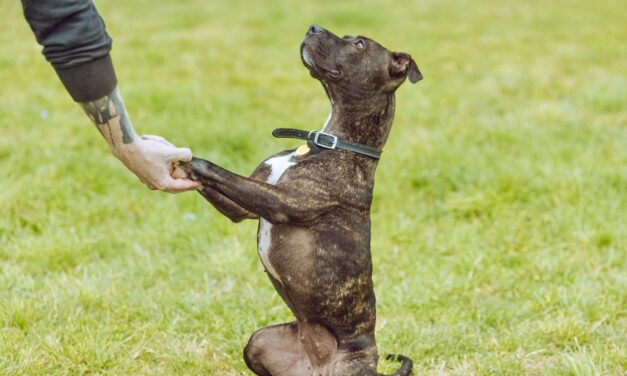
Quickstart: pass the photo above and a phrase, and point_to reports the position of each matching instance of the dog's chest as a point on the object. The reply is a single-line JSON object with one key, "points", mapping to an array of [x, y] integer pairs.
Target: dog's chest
{"points": [[278, 166]]}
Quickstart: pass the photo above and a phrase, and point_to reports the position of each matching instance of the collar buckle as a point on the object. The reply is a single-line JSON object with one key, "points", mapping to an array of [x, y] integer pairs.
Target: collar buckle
{"points": [[324, 140]]}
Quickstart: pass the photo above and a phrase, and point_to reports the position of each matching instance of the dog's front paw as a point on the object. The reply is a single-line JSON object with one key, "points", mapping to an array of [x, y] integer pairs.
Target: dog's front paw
{"points": [[195, 169]]}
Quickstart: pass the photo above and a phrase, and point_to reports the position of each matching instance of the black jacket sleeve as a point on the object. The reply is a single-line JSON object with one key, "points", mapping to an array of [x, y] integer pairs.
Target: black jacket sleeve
{"points": [[75, 43]]}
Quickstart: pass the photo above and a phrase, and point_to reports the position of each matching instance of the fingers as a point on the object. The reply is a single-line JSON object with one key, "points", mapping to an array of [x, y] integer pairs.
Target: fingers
{"points": [[171, 152], [154, 161], [173, 185], [158, 139], [178, 155]]}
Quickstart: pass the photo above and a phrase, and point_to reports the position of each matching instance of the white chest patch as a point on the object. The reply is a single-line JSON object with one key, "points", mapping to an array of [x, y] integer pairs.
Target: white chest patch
{"points": [[278, 165]]}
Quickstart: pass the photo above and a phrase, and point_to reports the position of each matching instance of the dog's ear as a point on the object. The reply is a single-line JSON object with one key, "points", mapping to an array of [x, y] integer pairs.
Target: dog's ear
{"points": [[402, 65]]}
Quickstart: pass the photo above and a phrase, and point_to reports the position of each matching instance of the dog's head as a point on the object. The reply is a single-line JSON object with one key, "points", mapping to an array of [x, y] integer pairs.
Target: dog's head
{"points": [[355, 65]]}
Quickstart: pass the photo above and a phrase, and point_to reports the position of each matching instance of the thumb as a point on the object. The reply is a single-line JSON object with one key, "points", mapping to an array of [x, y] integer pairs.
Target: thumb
{"points": [[179, 185]]}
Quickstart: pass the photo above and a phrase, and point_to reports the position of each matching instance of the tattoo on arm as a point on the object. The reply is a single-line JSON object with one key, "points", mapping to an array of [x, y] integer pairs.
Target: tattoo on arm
{"points": [[110, 117]]}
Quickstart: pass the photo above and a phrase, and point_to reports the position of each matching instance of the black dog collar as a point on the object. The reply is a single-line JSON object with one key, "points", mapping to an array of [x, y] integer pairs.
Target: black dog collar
{"points": [[326, 141]]}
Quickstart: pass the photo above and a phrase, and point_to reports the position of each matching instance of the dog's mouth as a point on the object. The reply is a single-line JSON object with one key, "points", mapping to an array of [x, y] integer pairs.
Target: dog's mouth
{"points": [[305, 56], [317, 69]]}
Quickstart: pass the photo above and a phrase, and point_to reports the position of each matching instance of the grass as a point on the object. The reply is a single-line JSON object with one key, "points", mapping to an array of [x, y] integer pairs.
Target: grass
{"points": [[500, 213]]}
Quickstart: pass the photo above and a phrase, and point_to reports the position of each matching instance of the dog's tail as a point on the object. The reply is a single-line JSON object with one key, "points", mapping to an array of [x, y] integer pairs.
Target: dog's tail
{"points": [[406, 364]]}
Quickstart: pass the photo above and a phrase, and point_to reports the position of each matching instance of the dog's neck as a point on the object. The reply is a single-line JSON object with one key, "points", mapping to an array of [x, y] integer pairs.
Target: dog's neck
{"points": [[366, 122]]}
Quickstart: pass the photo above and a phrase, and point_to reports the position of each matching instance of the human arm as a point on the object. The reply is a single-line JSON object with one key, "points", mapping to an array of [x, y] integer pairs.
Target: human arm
{"points": [[77, 46]]}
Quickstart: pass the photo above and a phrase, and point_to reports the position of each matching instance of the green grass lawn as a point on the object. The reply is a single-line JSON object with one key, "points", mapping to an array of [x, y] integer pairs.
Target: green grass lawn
{"points": [[500, 212]]}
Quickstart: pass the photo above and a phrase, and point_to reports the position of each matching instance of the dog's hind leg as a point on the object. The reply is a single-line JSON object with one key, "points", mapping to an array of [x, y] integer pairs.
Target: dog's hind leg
{"points": [[277, 351], [362, 362]]}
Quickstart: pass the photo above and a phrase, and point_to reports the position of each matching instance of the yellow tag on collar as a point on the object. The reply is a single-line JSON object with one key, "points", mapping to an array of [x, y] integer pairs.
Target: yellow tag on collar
{"points": [[302, 150]]}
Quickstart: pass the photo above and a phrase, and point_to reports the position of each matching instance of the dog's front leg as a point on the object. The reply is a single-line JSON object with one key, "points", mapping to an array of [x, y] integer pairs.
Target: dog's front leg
{"points": [[264, 200], [224, 205]]}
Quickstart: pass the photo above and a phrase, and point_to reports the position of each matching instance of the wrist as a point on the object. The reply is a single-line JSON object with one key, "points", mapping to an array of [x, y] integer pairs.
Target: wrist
{"points": [[123, 151]]}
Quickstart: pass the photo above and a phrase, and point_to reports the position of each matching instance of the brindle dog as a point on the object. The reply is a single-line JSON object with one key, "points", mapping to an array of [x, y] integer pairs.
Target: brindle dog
{"points": [[314, 216]]}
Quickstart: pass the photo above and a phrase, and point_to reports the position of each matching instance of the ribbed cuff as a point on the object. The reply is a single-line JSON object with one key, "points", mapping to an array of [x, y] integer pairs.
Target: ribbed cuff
{"points": [[89, 81]]}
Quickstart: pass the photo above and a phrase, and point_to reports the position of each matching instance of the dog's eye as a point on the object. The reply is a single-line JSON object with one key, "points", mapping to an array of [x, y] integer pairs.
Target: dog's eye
{"points": [[359, 43]]}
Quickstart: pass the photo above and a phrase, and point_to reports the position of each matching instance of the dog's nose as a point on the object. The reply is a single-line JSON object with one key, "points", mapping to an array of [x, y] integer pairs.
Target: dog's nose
{"points": [[315, 29]]}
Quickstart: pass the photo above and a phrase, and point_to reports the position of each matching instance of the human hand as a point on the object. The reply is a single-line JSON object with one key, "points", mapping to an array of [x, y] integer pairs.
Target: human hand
{"points": [[153, 160]]}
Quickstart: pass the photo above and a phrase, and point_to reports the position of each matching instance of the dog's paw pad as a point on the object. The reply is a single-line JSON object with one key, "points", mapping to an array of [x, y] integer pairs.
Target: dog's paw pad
{"points": [[179, 173]]}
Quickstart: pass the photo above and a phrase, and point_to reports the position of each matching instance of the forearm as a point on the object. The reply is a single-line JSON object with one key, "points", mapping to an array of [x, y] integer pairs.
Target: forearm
{"points": [[75, 42], [111, 118]]}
